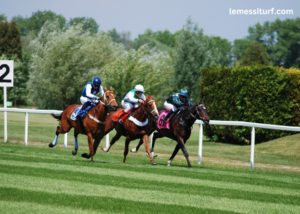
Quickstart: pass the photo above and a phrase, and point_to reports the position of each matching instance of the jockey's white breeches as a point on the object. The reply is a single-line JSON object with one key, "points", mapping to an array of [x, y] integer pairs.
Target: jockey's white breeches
{"points": [[170, 106], [85, 99], [127, 106]]}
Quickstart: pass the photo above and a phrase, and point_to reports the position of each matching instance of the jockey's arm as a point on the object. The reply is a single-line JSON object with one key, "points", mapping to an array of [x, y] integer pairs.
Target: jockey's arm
{"points": [[101, 91], [88, 92], [130, 98]]}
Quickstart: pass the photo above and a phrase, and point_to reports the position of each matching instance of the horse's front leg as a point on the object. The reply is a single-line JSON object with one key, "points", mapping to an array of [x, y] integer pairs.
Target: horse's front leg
{"points": [[145, 139], [90, 142]]}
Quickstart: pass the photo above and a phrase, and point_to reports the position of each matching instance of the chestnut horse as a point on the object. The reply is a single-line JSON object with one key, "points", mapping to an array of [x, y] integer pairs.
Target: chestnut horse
{"points": [[180, 129], [129, 129], [91, 125]]}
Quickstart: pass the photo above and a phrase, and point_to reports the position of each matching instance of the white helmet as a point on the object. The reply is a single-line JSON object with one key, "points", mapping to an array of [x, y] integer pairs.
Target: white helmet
{"points": [[139, 88]]}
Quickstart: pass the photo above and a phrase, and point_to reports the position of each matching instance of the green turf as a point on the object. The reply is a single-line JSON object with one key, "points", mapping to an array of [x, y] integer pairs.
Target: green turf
{"points": [[48, 180]]}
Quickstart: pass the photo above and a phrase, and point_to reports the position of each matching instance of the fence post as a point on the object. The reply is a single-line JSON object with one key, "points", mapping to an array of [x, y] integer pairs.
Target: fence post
{"points": [[252, 148], [66, 140], [5, 115], [200, 143], [26, 128]]}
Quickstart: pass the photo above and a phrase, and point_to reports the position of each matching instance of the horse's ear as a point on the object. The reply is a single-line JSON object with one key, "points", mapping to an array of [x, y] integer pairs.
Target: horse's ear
{"points": [[105, 89], [111, 88], [197, 103], [202, 102]]}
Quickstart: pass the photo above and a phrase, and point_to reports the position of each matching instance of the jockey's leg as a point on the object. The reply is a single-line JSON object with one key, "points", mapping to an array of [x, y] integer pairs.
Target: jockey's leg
{"points": [[127, 107], [171, 108]]}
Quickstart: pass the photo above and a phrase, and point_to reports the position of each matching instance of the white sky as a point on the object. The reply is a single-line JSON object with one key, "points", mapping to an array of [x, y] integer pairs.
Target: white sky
{"points": [[138, 15]]}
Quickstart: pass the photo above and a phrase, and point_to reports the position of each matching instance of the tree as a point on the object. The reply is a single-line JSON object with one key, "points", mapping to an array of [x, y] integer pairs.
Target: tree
{"points": [[255, 55], [64, 61], [224, 46], [123, 38], [88, 24], [193, 52], [3, 17], [10, 39], [239, 48], [149, 67], [37, 20]]}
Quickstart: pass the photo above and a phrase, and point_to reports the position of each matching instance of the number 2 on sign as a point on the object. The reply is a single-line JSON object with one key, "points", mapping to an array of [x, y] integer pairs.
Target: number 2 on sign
{"points": [[5, 73]]}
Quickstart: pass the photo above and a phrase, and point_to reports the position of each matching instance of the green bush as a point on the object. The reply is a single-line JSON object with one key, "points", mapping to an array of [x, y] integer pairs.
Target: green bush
{"points": [[260, 94]]}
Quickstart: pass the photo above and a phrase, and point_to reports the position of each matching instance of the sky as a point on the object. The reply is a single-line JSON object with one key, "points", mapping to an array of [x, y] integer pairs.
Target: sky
{"points": [[215, 17]]}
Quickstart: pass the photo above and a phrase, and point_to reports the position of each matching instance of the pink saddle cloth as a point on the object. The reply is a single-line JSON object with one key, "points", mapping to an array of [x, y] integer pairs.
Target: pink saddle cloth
{"points": [[160, 123]]}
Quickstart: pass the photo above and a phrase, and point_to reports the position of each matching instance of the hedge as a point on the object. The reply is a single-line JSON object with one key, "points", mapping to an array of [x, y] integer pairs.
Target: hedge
{"points": [[260, 94]]}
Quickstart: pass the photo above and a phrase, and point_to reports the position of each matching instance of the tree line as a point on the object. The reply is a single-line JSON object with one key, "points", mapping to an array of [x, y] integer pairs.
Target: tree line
{"points": [[55, 58]]}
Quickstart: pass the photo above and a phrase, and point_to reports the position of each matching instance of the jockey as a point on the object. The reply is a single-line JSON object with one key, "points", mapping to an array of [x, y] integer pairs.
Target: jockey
{"points": [[132, 99], [175, 102], [89, 92]]}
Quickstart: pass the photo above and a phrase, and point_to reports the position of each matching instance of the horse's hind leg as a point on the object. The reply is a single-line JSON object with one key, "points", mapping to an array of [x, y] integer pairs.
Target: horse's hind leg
{"points": [[137, 147], [64, 128], [155, 136], [74, 152], [174, 154], [112, 142]]}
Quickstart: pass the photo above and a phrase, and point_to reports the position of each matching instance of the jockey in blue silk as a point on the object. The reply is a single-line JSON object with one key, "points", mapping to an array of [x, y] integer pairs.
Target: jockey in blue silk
{"points": [[175, 102], [132, 99], [89, 92]]}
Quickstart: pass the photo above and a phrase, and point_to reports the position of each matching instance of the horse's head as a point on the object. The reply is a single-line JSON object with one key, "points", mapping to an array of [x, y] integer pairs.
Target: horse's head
{"points": [[109, 99], [150, 107], [202, 113]]}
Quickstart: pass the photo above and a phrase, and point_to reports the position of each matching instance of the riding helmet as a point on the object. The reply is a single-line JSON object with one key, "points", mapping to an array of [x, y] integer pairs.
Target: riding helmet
{"points": [[97, 81], [139, 88], [183, 92]]}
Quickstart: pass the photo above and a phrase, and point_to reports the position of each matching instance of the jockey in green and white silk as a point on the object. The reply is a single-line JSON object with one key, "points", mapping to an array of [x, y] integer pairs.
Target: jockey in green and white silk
{"points": [[133, 97]]}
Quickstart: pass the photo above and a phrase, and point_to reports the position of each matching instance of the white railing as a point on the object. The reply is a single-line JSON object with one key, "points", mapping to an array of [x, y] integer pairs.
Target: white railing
{"points": [[211, 122]]}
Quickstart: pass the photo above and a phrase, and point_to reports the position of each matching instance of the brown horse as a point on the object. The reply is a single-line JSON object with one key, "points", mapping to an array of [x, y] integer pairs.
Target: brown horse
{"points": [[180, 129], [91, 125], [129, 129]]}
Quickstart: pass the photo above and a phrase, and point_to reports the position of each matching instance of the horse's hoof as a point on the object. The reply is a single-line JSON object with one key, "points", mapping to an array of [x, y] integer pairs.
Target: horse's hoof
{"points": [[104, 149], [85, 155], [154, 163], [74, 152], [133, 150], [51, 145]]}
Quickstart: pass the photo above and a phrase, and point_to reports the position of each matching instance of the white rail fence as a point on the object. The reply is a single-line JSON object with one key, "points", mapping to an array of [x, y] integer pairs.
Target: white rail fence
{"points": [[212, 122]]}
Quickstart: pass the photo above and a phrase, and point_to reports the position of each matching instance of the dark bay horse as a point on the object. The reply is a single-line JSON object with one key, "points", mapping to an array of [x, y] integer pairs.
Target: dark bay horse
{"points": [[129, 129], [93, 125], [180, 129]]}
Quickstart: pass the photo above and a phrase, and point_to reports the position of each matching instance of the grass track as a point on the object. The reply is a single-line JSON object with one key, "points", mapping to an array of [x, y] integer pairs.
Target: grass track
{"points": [[37, 179]]}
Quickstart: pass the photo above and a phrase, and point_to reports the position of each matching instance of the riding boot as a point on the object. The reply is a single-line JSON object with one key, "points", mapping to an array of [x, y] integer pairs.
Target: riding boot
{"points": [[84, 106], [168, 115], [120, 119]]}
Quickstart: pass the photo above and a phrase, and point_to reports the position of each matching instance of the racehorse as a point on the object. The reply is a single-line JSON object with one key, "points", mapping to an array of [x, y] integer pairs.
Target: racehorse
{"points": [[91, 125], [129, 129], [180, 129]]}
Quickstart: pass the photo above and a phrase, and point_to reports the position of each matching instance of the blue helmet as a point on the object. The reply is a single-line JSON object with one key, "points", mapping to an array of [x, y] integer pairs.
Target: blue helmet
{"points": [[183, 92], [97, 81]]}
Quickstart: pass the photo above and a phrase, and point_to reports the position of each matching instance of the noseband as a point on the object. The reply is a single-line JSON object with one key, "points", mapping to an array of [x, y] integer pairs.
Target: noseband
{"points": [[106, 103], [198, 112], [155, 109]]}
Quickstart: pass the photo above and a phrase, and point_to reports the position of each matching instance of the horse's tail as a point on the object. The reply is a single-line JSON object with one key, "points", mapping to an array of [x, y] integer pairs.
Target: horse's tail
{"points": [[57, 116]]}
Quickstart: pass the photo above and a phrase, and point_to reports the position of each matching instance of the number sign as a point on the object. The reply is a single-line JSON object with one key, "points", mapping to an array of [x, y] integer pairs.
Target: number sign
{"points": [[6, 73]]}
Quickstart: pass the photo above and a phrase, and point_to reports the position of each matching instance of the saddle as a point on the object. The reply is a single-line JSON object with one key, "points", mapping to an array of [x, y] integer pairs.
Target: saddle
{"points": [[117, 115], [82, 114]]}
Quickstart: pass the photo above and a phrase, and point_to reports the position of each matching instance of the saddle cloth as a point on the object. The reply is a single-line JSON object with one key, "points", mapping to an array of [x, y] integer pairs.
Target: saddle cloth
{"points": [[117, 115], [78, 111], [160, 123]]}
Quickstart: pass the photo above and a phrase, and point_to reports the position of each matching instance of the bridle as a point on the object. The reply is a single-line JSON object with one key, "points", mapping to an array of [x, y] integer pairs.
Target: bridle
{"points": [[106, 103], [198, 112], [154, 110]]}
